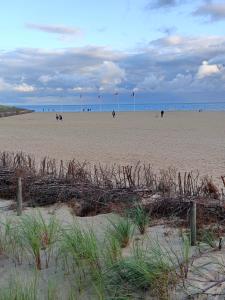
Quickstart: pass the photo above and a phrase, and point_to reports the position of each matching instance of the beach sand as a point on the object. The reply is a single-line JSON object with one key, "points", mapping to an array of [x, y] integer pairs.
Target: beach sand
{"points": [[184, 140]]}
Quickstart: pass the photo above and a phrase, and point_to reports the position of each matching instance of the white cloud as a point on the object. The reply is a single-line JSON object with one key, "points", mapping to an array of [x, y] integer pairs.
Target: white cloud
{"points": [[111, 73], [206, 70], [108, 74], [79, 89], [24, 88]]}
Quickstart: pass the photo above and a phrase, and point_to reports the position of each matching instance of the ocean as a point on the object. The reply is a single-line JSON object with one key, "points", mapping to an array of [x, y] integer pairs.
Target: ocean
{"points": [[216, 106]]}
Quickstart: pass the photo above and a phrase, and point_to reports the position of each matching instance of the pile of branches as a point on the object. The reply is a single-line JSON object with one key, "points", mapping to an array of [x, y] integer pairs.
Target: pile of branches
{"points": [[175, 210], [92, 189]]}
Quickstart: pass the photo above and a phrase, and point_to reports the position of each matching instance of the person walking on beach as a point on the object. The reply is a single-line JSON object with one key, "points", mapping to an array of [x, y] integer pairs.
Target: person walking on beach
{"points": [[57, 117], [60, 117], [162, 113], [113, 114]]}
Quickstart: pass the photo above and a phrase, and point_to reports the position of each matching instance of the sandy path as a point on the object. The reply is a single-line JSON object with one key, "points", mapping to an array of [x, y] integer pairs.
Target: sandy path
{"points": [[186, 140]]}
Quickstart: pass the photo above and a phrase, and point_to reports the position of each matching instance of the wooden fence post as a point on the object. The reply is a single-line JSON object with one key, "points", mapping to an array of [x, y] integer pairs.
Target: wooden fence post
{"points": [[19, 197], [193, 223]]}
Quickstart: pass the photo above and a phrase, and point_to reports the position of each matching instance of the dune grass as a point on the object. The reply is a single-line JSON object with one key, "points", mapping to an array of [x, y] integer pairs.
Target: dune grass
{"points": [[38, 235], [6, 111], [209, 236], [140, 218], [113, 250], [80, 255], [6, 108], [29, 289], [3, 234], [143, 271], [11, 243], [122, 230], [96, 266], [80, 244], [19, 290]]}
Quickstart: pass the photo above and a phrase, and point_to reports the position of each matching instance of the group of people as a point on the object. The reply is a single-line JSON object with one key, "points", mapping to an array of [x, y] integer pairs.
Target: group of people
{"points": [[59, 117]]}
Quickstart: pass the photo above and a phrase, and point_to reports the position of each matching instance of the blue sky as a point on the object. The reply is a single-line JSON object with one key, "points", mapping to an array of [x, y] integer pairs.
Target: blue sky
{"points": [[164, 50]]}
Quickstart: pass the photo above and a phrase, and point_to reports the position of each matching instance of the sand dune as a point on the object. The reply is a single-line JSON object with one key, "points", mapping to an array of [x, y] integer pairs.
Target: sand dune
{"points": [[185, 140]]}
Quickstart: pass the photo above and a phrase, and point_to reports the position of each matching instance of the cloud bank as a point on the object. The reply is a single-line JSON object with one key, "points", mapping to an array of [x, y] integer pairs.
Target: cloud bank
{"points": [[170, 68]]}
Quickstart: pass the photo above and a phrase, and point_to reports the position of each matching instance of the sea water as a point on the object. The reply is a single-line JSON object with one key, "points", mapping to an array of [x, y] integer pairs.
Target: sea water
{"points": [[215, 106]]}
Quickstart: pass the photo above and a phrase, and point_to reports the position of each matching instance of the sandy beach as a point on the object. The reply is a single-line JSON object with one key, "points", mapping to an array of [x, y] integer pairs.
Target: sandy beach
{"points": [[184, 140]]}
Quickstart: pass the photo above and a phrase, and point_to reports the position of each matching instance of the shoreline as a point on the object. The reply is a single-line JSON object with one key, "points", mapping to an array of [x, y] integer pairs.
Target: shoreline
{"points": [[123, 107], [137, 111], [130, 111]]}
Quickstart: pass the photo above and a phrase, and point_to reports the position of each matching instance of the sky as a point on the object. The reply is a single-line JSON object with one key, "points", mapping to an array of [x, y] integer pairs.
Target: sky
{"points": [[74, 50]]}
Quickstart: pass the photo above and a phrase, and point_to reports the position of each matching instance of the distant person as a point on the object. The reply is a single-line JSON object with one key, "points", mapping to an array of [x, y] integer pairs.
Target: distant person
{"points": [[113, 114], [57, 117], [60, 117], [162, 113]]}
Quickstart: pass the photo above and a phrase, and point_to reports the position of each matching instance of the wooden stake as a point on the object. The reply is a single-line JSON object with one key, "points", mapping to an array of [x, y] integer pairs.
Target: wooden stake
{"points": [[193, 223], [19, 197]]}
